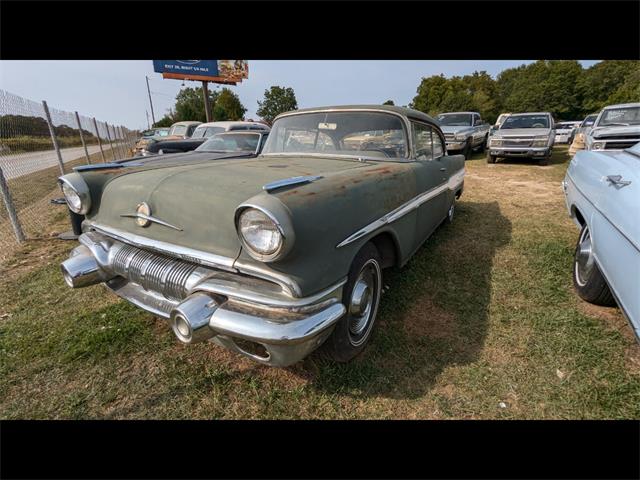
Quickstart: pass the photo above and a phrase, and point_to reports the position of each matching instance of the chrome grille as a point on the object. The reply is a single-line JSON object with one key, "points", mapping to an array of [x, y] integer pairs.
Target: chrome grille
{"points": [[517, 142], [449, 136], [153, 271]]}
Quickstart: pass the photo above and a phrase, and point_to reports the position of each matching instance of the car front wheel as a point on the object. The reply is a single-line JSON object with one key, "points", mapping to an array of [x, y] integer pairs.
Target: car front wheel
{"points": [[491, 158], [361, 296], [587, 278]]}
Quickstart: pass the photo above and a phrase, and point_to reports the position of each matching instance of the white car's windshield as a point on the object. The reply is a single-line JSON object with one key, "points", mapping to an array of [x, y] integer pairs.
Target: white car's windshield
{"points": [[525, 121], [620, 116], [455, 119], [231, 142], [358, 134], [202, 132]]}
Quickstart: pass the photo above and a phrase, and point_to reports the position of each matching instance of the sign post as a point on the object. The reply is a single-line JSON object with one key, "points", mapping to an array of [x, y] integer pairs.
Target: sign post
{"points": [[207, 104]]}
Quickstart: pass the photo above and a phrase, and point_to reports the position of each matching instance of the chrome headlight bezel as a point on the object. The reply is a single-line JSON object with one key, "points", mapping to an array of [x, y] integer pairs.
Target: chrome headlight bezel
{"points": [[79, 188], [281, 224], [495, 142], [460, 137], [598, 145]]}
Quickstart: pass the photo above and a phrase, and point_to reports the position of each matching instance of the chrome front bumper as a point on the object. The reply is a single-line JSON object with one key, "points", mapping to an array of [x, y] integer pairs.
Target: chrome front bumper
{"points": [[519, 151], [454, 145], [251, 316]]}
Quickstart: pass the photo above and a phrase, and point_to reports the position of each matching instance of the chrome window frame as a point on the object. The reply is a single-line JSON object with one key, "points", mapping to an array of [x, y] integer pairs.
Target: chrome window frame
{"points": [[404, 119]]}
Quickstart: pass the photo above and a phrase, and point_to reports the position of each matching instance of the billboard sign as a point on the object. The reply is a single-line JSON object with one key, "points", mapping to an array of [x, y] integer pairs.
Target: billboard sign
{"points": [[219, 71]]}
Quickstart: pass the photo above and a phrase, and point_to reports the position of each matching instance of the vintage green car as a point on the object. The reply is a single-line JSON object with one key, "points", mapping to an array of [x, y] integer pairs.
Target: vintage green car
{"points": [[276, 255]]}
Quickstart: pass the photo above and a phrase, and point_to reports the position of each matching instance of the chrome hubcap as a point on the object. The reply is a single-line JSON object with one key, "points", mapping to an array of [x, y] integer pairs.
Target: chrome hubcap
{"points": [[584, 258], [364, 302]]}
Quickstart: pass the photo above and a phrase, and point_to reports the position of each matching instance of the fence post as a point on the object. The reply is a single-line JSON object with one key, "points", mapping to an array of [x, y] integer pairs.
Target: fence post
{"points": [[95, 125], [124, 142], [11, 209], [113, 152], [123, 151], [53, 136], [84, 145]]}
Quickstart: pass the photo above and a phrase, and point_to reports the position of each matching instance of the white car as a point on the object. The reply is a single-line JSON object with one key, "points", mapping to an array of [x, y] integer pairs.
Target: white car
{"points": [[565, 131], [616, 128], [602, 192]]}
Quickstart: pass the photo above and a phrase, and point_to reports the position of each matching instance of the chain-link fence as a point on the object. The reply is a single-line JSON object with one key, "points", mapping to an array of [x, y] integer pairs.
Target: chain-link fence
{"points": [[39, 143]]}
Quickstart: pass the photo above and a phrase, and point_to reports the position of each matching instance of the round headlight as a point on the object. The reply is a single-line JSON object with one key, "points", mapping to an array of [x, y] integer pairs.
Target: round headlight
{"points": [[72, 197], [76, 193], [260, 232]]}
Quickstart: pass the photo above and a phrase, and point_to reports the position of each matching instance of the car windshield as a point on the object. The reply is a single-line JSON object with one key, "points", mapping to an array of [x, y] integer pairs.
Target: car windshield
{"points": [[455, 119], [525, 121], [231, 143], [563, 126], [202, 132], [358, 134], [587, 122], [162, 133], [620, 116], [178, 130]]}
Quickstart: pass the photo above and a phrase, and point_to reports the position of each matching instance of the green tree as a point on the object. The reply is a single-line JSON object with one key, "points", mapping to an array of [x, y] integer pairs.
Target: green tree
{"points": [[165, 121], [190, 106], [600, 82], [389, 102], [629, 91], [227, 106], [276, 100]]}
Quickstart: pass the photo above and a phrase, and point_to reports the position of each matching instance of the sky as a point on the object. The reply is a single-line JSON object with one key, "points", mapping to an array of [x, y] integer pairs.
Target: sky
{"points": [[115, 91]]}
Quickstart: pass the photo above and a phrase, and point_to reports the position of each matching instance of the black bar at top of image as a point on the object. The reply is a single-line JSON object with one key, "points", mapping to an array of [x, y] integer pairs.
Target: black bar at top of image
{"points": [[320, 449], [263, 29]]}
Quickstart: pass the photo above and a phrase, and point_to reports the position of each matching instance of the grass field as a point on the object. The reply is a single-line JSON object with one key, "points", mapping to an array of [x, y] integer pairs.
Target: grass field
{"points": [[482, 323]]}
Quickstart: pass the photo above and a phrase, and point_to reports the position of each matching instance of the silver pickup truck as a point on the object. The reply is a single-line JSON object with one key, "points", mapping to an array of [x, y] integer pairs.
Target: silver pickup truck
{"points": [[523, 135], [616, 128], [464, 132]]}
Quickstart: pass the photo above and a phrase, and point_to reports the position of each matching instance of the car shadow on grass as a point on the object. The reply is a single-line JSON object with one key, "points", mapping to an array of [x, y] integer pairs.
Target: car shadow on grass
{"points": [[434, 314]]}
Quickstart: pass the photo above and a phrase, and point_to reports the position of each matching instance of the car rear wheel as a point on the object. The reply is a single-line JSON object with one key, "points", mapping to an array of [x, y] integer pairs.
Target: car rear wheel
{"points": [[361, 296], [587, 278], [483, 146]]}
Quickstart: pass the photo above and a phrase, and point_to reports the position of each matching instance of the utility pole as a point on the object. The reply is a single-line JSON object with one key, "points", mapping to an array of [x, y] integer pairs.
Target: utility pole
{"points": [[153, 117], [148, 125], [205, 95]]}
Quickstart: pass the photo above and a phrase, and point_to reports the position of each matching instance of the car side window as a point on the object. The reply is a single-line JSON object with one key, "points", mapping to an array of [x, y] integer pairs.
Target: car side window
{"points": [[438, 147], [423, 142], [476, 119]]}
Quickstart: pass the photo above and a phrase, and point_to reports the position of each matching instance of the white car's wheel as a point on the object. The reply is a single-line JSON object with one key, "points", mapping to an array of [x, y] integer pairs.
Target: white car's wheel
{"points": [[587, 278]]}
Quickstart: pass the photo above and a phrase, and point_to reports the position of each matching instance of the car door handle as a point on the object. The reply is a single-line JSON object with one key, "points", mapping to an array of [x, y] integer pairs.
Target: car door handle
{"points": [[617, 180], [443, 169]]}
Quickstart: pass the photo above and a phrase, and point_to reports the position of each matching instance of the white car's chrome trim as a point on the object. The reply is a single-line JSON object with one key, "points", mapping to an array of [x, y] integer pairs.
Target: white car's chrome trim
{"points": [[454, 182]]}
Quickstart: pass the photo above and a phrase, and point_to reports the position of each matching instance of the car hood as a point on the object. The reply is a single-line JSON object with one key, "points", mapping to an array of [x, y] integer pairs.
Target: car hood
{"points": [[455, 129], [175, 159], [522, 132], [615, 130], [199, 198]]}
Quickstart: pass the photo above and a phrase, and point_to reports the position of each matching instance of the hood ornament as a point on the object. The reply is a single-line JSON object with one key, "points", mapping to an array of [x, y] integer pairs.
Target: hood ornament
{"points": [[144, 219]]}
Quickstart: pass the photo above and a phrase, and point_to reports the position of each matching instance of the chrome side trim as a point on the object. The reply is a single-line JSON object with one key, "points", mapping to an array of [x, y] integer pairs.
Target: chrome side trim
{"points": [[286, 182], [150, 219], [454, 182], [185, 253]]}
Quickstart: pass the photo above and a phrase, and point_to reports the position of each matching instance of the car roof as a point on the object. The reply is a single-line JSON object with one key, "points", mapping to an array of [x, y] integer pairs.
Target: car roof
{"points": [[186, 122], [232, 123], [622, 105], [530, 113], [404, 111], [451, 113]]}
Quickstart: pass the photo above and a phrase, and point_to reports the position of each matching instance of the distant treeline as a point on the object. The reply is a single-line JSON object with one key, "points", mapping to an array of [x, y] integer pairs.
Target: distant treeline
{"points": [[562, 87], [19, 126]]}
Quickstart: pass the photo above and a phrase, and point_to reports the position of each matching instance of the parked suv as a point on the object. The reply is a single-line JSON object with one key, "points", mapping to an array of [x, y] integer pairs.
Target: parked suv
{"points": [[464, 132], [616, 128], [523, 135]]}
